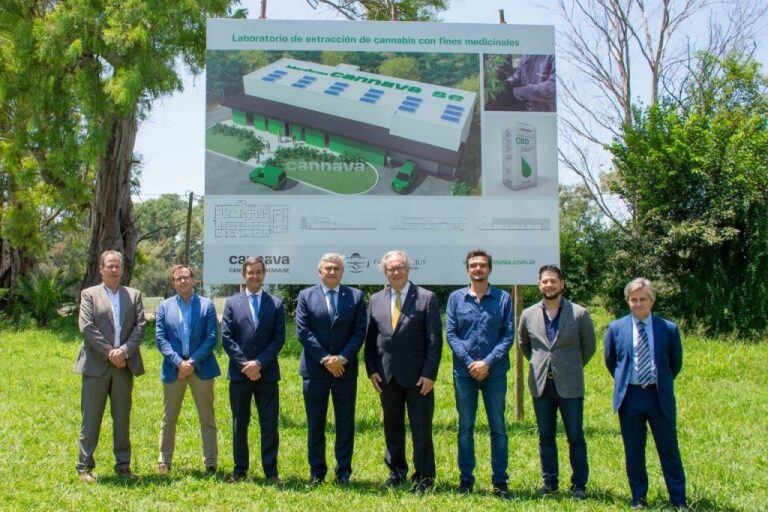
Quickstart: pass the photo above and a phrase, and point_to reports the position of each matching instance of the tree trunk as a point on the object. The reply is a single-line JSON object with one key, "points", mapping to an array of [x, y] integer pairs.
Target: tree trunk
{"points": [[12, 264], [112, 223]]}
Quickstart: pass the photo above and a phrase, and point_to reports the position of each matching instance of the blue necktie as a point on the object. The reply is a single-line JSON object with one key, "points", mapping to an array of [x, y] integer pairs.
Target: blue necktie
{"points": [[332, 304], [255, 303], [644, 367]]}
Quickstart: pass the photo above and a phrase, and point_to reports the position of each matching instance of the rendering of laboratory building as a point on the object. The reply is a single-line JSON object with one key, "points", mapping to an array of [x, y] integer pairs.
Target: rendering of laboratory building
{"points": [[381, 118]]}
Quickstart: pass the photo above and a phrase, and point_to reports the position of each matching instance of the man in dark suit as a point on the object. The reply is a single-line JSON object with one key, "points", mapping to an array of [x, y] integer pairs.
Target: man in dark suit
{"points": [[402, 356], [253, 333], [558, 338], [330, 325], [186, 334], [644, 354], [112, 323]]}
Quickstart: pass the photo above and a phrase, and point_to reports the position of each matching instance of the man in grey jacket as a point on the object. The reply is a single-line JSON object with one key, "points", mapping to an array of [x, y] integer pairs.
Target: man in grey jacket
{"points": [[558, 338]]}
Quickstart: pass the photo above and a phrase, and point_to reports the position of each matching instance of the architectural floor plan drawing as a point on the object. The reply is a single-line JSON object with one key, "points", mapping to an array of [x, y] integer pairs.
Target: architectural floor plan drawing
{"points": [[244, 220], [429, 224], [327, 224], [514, 224]]}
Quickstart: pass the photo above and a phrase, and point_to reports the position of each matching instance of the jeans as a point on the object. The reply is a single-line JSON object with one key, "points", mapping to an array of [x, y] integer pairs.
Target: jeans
{"points": [[572, 412], [494, 392]]}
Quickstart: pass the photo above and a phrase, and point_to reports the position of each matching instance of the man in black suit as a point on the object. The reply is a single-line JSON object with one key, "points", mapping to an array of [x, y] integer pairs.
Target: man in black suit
{"points": [[252, 333], [330, 325], [402, 355]]}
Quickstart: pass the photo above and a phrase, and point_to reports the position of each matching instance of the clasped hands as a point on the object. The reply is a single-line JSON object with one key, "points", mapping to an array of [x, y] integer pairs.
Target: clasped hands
{"points": [[186, 368], [335, 365], [252, 370], [424, 383], [479, 370], [117, 357]]}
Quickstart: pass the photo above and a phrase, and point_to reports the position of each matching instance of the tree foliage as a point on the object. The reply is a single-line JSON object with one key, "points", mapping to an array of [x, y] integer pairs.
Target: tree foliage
{"points": [[381, 10], [696, 176]]}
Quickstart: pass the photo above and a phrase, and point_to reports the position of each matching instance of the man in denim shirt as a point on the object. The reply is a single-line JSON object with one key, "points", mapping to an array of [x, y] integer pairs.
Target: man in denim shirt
{"points": [[480, 332]]}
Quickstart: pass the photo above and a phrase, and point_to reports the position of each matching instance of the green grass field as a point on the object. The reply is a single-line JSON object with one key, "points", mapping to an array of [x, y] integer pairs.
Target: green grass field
{"points": [[723, 421], [224, 144], [341, 182]]}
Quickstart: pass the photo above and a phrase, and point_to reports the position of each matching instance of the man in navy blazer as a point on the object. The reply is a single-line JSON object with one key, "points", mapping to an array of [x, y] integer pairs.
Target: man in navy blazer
{"points": [[644, 354], [330, 324], [186, 334], [402, 355], [253, 333]]}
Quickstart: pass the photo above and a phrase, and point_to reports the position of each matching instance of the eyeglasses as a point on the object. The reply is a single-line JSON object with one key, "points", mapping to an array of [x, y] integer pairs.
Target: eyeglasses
{"points": [[392, 270]]}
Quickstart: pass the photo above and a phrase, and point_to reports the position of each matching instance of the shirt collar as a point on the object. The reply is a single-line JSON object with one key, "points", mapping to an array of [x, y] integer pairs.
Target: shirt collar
{"points": [[490, 292], [258, 293], [111, 293], [646, 322], [403, 292], [559, 307], [180, 300], [326, 289]]}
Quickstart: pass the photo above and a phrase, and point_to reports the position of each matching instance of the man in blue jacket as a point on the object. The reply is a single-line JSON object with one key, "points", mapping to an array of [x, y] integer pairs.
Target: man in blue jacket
{"points": [[479, 330], [186, 335], [330, 325], [253, 333], [644, 354]]}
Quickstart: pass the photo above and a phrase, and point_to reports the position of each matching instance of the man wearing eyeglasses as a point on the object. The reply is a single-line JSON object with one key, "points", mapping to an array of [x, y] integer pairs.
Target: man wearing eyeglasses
{"points": [[402, 356], [186, 333]]}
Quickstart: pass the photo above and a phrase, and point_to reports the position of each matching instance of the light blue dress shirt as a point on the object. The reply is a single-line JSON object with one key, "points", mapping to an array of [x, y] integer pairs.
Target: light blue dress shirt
{"points": [[114, 299], [185, 319]]}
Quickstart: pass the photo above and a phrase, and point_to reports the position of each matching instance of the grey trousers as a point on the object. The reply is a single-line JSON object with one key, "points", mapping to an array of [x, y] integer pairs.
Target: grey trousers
{"points": [[173, 396], [117, 384]]}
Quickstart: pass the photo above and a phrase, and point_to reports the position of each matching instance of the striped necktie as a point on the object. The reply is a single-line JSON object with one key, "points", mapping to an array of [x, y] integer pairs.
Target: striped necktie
{"points": [[644, 367]]}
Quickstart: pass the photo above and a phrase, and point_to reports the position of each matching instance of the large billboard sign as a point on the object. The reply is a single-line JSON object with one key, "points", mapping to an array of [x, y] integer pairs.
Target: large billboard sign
{"points": [[362, 137]]}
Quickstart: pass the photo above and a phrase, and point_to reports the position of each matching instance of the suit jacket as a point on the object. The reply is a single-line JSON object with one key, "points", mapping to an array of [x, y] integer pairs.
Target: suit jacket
{"points": [[243, 342], [413, 348], [667, 355], [321, 336], [571, 350], [203, 336], [98, 328]]}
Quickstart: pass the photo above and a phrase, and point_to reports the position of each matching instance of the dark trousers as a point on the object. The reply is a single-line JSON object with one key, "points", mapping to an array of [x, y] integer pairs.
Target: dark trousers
{"points": [[117, 385], [640, 408], [344, 395], [395, 399], [572, 412], [266, 396]]}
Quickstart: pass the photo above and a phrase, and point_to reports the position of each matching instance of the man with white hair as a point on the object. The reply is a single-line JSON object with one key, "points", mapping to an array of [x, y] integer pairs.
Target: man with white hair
{"points": [[330, 324], [402, 356], [644, 354]]}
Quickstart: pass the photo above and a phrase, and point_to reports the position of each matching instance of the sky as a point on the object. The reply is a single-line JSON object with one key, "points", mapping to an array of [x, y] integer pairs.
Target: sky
{"points": [[171, 139]]}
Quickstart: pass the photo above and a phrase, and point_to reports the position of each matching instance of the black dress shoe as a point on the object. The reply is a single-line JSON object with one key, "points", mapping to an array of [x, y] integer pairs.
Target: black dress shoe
{"points": [[680, 506], [638, 504], [393, 481], [421, 486], [342, 481], [276, 481], [501, 490], [578, 494], [465, 487], [211, 470], [546, 489], [235, 477]]}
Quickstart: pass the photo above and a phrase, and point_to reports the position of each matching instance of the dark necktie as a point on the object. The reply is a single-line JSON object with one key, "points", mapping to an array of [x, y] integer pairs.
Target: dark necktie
{"points": [[332, 304], [644, 367]]}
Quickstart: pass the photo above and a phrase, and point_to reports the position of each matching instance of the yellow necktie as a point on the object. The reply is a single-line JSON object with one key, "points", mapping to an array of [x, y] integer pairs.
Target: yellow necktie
{"points": [[396, 310]]}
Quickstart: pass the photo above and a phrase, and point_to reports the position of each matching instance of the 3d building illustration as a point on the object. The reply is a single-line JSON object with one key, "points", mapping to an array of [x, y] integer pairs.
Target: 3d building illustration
{"points": [[349, 111]]}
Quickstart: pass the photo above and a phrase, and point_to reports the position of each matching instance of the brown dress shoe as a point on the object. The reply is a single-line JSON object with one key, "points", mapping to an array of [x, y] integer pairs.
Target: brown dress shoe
{"points": [[87, 476], [125, 474]]}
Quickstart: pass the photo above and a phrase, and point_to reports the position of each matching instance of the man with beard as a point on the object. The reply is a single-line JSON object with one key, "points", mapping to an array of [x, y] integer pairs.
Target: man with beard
{"points": [[558, 338], [480, 332]]}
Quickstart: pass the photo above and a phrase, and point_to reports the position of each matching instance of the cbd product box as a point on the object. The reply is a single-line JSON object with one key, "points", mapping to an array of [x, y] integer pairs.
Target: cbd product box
{"points": [[519, 156]]}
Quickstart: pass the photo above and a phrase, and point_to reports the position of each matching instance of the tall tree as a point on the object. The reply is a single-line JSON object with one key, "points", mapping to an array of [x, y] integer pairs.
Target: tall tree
{"points": [[111, 59], [380, 10], [618, 52]]}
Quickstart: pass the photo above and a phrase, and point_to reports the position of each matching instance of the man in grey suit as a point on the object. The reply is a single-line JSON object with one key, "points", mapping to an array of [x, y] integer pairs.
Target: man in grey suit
{"points": [[112, 323], [558, 338], [402, 355]]}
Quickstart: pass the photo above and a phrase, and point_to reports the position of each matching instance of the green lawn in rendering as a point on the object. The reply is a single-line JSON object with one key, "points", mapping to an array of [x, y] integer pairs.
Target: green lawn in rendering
{"points": [[341, 182], [224, 144], [722, 399]]}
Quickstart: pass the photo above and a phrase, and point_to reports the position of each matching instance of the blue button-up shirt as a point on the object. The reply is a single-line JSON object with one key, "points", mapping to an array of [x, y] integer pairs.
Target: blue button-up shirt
{"points": [[552, 325], [185, 319], [633, 370], [480, 328], [114, 300]]}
